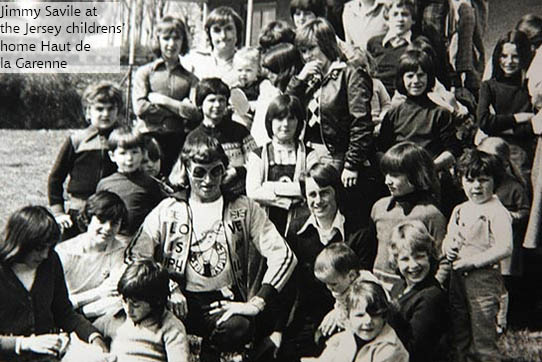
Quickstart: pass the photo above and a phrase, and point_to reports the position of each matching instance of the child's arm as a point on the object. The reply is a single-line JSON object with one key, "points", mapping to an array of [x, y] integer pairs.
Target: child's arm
{"points": [[176, 341], [501, 229]]}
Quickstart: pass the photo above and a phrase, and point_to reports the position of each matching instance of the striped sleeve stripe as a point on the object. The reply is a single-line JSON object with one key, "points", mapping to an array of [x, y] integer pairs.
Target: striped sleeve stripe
{"points": [[284, 268]]}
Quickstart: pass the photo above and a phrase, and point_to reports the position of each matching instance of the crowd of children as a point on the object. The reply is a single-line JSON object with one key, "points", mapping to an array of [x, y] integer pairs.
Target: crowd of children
{"points": [[354, 194]]}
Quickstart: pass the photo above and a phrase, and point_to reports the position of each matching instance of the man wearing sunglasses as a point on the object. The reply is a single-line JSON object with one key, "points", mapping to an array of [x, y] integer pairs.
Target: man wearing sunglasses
{"points": [[226, 259]]}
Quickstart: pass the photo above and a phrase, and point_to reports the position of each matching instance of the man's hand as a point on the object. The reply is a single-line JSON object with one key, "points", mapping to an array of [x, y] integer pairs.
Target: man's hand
{"points": [[43, 344], [177, 304], [64, 221], [349, 177], [232, 308]]}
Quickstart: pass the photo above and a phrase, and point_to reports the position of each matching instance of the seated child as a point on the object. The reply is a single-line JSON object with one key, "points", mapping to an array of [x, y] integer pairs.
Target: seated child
{"points": [[145, 329], [93, 261], [423, 305], [387, 49], [138, 190], [257, 89], [338, 266], [369, 337], [82, 157], [479, 236], [212, 96]]}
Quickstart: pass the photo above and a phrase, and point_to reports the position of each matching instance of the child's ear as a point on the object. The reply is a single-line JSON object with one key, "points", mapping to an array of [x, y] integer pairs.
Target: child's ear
{"points": [[111, 155]]}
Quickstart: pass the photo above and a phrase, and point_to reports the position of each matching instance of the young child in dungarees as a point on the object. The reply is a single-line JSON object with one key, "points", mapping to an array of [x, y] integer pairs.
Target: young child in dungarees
{"points": [[145, 330], [83, 156], [479, 236], [369, 337], [138, 190], [338, 266]]}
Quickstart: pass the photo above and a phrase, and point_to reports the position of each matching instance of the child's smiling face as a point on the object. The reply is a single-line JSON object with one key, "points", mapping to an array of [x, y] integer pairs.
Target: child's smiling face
{"points": [[415, 82], [214, 107], [247, 71], [509, 59], [413, 265], [364, 325], [170, 45], [479, 189], [284, 128]]}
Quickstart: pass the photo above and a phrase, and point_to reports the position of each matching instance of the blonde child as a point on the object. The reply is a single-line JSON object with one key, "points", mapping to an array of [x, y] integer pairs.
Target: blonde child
{"points": [[145, 329], [369, 337], [479, 236], [423, 305]]}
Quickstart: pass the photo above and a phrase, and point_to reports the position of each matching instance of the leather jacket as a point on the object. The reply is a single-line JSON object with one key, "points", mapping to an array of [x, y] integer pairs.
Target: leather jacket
{"points": [[345, 111]]}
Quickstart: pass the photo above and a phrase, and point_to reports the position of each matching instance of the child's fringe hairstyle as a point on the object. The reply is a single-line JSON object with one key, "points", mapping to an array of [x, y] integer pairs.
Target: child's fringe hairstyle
{"points": [[407, 4], [413, 161], [324, 176], [102, 92], [523, 47], [410, 61], [168, 25], [413, 236], [531, 25], [500, 148], [474, 163], [336, 257], [275, 32], [283, 106], [154, 152], [106, 206], [211, 86], [249, 54], [125, 137], [30, 228], [371, 293], [317, 7], [221, 16], [319, 32], [146, 280], [201, 148], [285, 61]]}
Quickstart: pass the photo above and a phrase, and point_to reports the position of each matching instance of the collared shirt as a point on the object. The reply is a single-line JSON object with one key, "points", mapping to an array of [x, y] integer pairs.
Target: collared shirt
{"points": [[361, 23], [397, 40], [326, 236]]}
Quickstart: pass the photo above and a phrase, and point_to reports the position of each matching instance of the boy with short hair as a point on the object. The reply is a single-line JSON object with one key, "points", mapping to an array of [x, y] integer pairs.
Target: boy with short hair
{"points": [[338, 266], [83, 155], [212, 96], [387, 49], [145, 329], [138, 190]]}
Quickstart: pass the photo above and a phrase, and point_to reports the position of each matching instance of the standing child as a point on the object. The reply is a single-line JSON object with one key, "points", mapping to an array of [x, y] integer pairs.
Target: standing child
{"points": [[139, 191], [512, 192], [145, 330], [94, 260], [418, 119], [369, 337], [274, 170], [479, 236], [423, 307], [212, 96], [504, 108], [83, 156], [161, 91], [413, 184]]}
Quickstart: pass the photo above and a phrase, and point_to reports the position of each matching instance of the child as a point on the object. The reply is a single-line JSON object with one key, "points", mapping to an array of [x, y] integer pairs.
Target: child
{"points": [[369, 337], [161, 91], [504, 107], [93, 261], [423, 307], [412, 181], [274, 170], [337, 266], [83, 155], [257, 89], [152, 158], [34, 306], [386, 49], [512, 192], [274, 33], [145, 329], [138, 190], [212, 96], [479, 236]]}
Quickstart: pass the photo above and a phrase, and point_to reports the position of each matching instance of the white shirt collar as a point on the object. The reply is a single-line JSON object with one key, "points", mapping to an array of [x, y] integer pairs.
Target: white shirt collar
{"points": [[389, 36], [338, 225]]}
